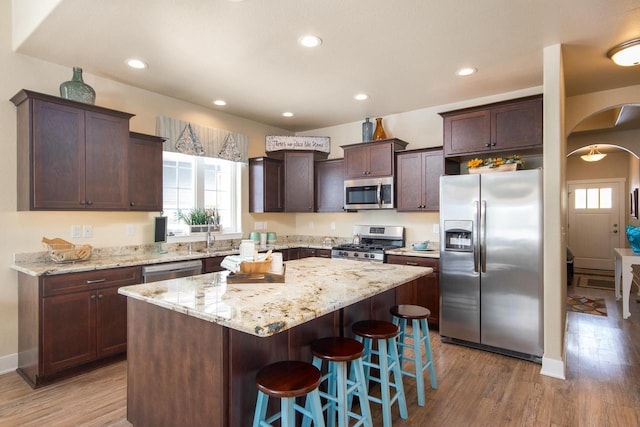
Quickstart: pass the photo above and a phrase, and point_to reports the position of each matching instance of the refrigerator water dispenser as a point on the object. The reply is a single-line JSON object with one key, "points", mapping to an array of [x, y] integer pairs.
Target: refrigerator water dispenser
{"points": [[458, 236]]}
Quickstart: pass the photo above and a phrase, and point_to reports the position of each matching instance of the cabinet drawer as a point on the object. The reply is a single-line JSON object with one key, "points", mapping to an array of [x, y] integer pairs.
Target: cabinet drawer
{"points": [[97, 279], [414, 260]]}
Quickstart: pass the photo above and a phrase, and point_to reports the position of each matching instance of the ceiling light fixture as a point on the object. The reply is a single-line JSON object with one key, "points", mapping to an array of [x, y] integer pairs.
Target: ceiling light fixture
{"points": [[467, 71], [594, 155], [310, 41], [287, 114], [220, 102], [136, 63], [626, 54], [361, 97]]}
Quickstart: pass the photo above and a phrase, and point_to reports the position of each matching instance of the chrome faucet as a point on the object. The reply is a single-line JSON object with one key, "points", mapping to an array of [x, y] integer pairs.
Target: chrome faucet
{"points": [[210, 238]]}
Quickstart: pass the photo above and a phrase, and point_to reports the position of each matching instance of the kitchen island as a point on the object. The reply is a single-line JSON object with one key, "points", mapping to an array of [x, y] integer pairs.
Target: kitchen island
{"points": [[195, 344]]}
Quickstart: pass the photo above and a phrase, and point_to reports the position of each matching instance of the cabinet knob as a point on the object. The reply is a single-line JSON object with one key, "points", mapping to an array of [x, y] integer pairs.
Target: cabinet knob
{"points": [[89, 202], [132, 203], [100, 296], [82, 202], [93, 296], [488, 144], [493, 144]]}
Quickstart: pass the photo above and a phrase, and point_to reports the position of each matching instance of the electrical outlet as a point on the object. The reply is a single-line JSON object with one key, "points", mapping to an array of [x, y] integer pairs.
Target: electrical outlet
{"points": [[257, 225], [130, 230], [333, 225], [87, 231], [436, 228], [76, 231], [311, 225]]}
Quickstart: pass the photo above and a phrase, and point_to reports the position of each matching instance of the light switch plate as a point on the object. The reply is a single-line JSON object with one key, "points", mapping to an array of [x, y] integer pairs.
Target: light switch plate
{"points": [[436, 228], [87, 231], [76, 231]]}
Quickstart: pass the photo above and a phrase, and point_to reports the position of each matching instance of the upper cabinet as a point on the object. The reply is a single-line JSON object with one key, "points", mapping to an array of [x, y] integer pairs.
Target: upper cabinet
{"points": [[330, 185], [266, 185], [418, 179], [503, 126], [371, 159], [71, 156], [145, 172], [298, 183]]}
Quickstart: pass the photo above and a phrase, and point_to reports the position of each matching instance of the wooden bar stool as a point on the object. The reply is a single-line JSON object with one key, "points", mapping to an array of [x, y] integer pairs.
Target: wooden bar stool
{"points": [[286, 381], [384, 334], [420, 334], [338, 352]]}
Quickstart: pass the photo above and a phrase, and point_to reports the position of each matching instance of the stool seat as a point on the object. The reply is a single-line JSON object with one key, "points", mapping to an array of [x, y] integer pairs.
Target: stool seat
{"points": [[288, 379], [408, 311], [337, 349], [375, 329]]}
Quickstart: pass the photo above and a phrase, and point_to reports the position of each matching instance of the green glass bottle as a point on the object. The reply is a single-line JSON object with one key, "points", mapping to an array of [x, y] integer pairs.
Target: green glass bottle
{"points": [[77, 90]]}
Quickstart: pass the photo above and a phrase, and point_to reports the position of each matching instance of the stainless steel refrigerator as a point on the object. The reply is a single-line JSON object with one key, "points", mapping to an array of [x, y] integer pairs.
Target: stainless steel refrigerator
{"points": [[491, 262]]}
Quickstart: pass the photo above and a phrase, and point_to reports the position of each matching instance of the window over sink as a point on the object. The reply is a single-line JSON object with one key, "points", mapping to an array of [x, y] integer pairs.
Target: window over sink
{"points": [[194, 182]]}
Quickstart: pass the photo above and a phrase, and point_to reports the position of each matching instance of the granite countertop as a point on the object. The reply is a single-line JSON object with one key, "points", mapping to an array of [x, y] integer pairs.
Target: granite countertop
{"points": [[313, 287], [39, 265], [408, 251]]}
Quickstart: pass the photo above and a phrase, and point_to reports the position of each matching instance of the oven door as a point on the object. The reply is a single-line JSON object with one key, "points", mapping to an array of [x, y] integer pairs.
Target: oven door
{"points": [[370, 193]]}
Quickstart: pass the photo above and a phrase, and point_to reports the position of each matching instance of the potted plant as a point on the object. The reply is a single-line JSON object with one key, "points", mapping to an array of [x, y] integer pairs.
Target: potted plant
{"points": [[494, 164], [199, 219]]}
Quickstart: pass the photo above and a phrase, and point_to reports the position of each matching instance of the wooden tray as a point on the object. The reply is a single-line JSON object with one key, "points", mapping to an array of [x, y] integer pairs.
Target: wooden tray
{"points": [[256, 277]]}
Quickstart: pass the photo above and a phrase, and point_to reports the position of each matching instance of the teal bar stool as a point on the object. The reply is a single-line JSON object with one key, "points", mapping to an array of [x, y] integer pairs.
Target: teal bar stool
{"points": [[384, 335], [418, 315], [340, 389], [286, 381]]}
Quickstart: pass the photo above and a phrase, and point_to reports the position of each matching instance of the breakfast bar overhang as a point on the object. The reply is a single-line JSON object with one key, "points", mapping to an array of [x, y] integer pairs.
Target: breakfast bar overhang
{"points": [[195, 344]]}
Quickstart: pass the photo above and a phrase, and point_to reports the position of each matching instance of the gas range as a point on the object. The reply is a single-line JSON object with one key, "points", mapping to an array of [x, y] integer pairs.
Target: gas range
{"points": [[370, 242]]}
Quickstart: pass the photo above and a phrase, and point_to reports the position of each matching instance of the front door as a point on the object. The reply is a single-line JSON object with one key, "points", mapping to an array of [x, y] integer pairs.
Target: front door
{"points": [[596, 223]]}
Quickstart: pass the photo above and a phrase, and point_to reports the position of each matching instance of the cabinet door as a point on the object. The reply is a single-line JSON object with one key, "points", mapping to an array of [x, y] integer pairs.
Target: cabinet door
{"points": [[68, 331], [433, 168], [298, 184], [266, 185], [106, 147], [380, 160], [517, 126], [356, 162], [313, 252], [111, 322], [330, 186], [211, 265], [58, 156], [145, 172], [467, 133], [410, 182]]}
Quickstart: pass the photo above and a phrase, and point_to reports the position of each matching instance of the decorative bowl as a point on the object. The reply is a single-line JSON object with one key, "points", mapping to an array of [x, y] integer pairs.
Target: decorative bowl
{"points": [[421, 246]]}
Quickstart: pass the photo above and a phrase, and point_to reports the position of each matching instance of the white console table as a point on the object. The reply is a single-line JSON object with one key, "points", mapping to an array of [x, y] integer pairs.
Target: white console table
{"points": [[625, 258]]}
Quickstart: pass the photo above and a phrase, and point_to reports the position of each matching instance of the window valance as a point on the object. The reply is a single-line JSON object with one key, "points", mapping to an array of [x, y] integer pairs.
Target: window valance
{"points": [[188, 138]]}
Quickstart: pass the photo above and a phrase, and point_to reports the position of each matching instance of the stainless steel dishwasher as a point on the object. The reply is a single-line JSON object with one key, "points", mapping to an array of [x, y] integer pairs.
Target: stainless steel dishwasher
{"points": [[171, 270]]}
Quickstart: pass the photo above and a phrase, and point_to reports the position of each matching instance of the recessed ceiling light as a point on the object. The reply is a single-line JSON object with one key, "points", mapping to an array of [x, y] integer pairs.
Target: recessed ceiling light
{"points": [[220, 102], [136, 63], [467, 71], [287, 114], [310, 41], [360, 96]]}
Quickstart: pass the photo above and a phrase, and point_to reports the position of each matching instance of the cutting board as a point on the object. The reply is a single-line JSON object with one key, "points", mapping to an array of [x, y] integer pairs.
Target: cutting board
{"points": [[256, 277]]}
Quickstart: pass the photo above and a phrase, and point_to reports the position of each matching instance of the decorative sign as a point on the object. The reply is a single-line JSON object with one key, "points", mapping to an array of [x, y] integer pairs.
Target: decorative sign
{"points": [[317, 143]]}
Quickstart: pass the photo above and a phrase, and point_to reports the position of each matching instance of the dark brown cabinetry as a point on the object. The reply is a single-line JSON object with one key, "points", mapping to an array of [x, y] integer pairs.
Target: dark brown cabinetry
{"points": [[418, 179], [71, 156], [70, 320], [330, 185], [509, 125], [211, 265], [145, 172], [371, 159], [299, 181], [424, 291], [266, 185], [313, 252]]}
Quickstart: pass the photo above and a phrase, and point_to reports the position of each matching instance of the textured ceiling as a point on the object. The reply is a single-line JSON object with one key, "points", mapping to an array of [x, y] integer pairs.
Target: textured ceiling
{"points": [[402, 53]]}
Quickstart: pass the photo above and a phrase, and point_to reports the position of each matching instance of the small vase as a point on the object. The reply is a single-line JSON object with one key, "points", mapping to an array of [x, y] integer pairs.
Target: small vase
{"points": [[379, 133], [367, 130], [77, 90]]}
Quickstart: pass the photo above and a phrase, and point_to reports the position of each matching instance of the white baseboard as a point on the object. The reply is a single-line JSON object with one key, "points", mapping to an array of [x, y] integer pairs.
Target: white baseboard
{"points": [[8, 363]]}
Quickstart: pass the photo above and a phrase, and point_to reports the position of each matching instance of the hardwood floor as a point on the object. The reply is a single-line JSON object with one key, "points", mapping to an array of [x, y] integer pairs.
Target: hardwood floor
{"points": [[475, 388]]}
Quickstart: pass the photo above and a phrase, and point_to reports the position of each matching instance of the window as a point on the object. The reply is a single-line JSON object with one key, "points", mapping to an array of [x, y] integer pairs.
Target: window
{"points": [[593, 198], [191, 182]]}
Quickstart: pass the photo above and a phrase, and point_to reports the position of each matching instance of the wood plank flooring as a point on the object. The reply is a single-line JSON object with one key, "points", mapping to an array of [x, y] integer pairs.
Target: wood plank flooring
{"points": [[475, 388]]}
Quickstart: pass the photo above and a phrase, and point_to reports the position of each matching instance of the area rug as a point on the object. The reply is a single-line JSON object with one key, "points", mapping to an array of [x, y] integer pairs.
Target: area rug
{"points": [[585, 305], [596, 282]]}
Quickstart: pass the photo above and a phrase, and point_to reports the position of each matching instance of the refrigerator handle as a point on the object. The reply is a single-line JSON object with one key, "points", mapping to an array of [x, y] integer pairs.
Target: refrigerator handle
{"points": [[483, 235], [476, 246]]}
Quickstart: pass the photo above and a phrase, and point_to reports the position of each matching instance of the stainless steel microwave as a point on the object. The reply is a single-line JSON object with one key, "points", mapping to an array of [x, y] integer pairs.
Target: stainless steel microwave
{"points": [[369, 193]]}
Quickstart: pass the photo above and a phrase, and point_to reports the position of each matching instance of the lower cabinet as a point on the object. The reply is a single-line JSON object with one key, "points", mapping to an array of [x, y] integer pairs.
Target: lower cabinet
{"points": [[70, 320], [211, 265], [426, 290], [312, 252]]}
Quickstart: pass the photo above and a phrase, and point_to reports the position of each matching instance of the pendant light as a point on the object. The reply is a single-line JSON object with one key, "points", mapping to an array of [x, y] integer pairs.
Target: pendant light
{"points": [[626, 54], [594, 155]]}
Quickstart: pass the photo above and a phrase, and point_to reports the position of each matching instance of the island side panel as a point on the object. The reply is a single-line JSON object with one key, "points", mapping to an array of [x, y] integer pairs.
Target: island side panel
{"points": [[176, 368], [250, 353], [28, 328]]}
